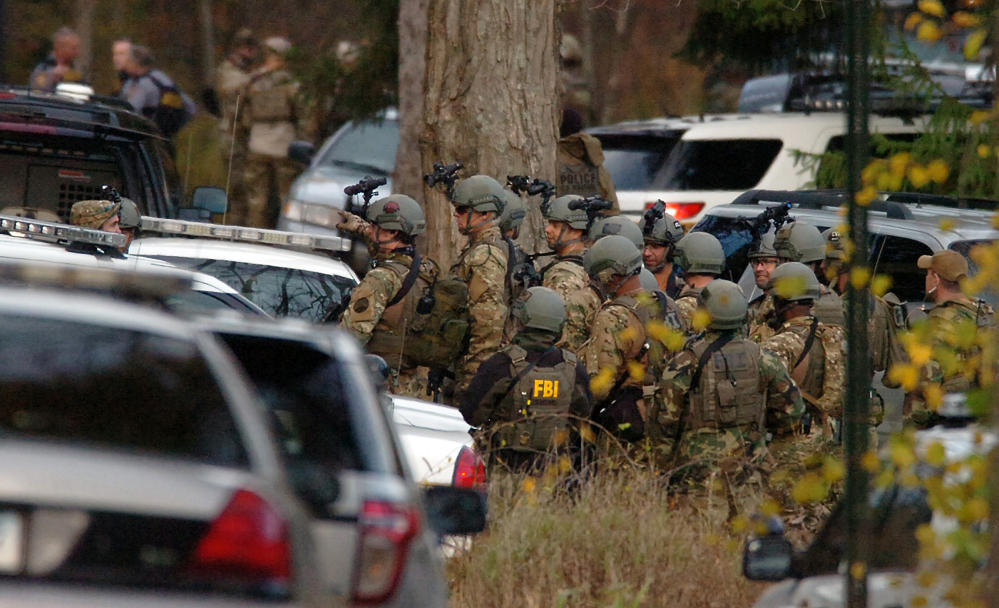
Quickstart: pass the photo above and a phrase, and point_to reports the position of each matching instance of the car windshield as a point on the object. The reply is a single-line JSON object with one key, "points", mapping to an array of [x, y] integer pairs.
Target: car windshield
{"points": [[281, 292], [634, 160], [113, 388], [723, 164], [366, 146]]}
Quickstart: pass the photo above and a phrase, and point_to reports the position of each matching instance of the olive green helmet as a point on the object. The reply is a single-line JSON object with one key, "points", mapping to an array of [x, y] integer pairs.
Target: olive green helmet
{"points": [[614, 253], [649, 282], [795, 282], [666, 231], [620, 226], [513, 214], [540, 308], [800, 242], [726, 304], [835, 244], [480, 192], [130, 217], [700, 253], [558, 211], [764, 247], [398, 212]]}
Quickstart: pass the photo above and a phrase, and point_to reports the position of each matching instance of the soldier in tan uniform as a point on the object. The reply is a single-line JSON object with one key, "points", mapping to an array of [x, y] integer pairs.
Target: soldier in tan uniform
{"points": [[232, 77], [566, 233], [763, 260], [386, 298], [812, 351], [702, 259], [958, 331], [275, 116], [478, 203], [720, 397]]}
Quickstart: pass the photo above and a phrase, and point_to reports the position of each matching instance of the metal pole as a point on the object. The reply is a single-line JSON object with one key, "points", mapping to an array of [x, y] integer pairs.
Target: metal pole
{"points": [[858, 361]]}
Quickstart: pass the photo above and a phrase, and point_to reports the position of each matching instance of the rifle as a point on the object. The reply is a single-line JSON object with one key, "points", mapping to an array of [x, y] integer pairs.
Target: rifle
{"points": [[777, 215], [444, 174], [111, 194], [366, 188], [652, 215], [521, 184], [594, 207]]}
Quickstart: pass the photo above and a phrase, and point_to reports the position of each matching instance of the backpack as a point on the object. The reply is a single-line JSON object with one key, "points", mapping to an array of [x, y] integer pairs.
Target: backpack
{"points": [[170, 113], [439, 331]]}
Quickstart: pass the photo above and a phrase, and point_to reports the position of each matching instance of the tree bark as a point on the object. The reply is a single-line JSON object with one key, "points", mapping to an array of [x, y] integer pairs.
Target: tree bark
{"points": [[490, 101], [85, 29], [408, 178], [207, 43]]}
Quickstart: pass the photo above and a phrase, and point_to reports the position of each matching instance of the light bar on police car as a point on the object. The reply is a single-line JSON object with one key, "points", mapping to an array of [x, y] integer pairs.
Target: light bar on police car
{"points": [[54, 231], [243, 234]]}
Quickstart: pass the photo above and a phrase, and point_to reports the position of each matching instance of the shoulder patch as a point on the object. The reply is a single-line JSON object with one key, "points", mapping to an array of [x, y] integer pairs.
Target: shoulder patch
{"points": [[361, 305]]}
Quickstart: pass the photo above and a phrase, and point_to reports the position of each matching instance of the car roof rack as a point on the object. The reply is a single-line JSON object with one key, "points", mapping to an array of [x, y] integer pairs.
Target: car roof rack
{"points": [[56, 232], [244, 234], [818, 199]]}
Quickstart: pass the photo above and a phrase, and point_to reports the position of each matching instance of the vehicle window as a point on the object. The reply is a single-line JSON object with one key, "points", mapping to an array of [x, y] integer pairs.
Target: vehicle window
{"points": [[990, 294], [366, 146], [735, 236], [896, 257], [193, 302], [634, 160], [281, 292], [112, 388], [726, 164], [310, 396]]}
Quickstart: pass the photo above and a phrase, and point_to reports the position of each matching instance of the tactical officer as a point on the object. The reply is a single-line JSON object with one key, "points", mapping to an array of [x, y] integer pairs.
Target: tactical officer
{"points": [[566, 234], [130, 221], [763, 260], [520, 271], [812, 351], [97, 215], [530, 397], [956, 365], [800, 242], [660, 239], [478, 204], [721, 395], [702, 259], [386, 299], [621, 358], [620, 226]]}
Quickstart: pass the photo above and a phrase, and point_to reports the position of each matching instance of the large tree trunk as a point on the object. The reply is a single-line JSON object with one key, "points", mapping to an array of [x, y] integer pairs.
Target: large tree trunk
{"points": [[407, 178], [490, 101], [85, 29], [207, 43]]}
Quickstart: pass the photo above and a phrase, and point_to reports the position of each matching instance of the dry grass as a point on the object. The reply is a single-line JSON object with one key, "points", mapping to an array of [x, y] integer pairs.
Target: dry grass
{"points": [[622, 540]]}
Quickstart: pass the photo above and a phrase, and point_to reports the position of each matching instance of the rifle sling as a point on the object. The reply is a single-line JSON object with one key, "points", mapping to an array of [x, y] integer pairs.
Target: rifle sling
{"points": [[408, 282], [808, 345]]}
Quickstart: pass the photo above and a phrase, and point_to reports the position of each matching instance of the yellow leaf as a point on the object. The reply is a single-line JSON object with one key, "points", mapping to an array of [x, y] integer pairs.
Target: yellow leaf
{"points": [[928, 32], [905, 375], [936, 454], [938, 170], [965, 19], [809, 490], [919, 601], [833, 470], [629, 333], [918, 176], [564, 465], [587, 434], [976, 510], [603, 381], [984, 150], [739, 523], [973, 44], [979, 116], [902, 455], [858, 570], [636, 370], [933, 7], [912, 21], [870, 462], [702, 318], [946, 224], [872, 170], [859, 277], [769, 508], [919, 353], [880, 285], [899, 162], [865, 196], [528, 485], [933, 395], [884, 181]]}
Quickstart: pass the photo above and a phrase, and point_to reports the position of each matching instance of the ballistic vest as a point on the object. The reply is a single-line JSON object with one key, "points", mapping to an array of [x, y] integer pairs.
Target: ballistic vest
{"points": [[728, 394], [537, 408]]}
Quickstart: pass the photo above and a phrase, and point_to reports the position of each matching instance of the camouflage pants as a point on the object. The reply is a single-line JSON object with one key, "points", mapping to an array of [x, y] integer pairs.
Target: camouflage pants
{"points": [[410, 382], [264, 176]]}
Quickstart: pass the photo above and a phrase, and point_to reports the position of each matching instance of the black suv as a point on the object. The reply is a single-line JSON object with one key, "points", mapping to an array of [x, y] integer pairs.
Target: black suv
{"points": [[60, 148]]}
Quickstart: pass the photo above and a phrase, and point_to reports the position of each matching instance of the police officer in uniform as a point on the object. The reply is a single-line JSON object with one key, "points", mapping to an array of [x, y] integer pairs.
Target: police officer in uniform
{"points": [[722, 395], [531, 397], [386, 298], [478, 204], [621, 357], [275, 116], [812, 351], [566, 234], [702, 259], [660, 239]]}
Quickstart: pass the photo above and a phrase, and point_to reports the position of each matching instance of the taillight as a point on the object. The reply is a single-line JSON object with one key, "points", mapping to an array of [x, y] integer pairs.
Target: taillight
{"points": [[386, 531], [248, 541], [681, 211], [469, 470]]}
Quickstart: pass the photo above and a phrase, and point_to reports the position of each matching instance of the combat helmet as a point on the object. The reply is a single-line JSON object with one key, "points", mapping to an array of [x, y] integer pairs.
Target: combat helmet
{"points": [[540, 308], [665, 231], [614, 253], [794, 282], [558, 211], [700, 253], [726, 304], [763, 247], [800, 242], [480, 192], [649, 282], [130, 217], [92, 213], [835, 244], [513, 214], [398, 212], [620, 226]]}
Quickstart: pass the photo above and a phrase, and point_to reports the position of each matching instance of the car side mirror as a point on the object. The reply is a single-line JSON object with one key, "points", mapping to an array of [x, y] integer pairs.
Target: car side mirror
{"points": [[301, 151], [210, 198], [455, 510], [767, 558]]}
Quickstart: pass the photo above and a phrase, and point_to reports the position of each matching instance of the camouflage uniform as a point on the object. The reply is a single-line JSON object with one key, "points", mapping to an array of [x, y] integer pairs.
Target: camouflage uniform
{"points": [[566, 276], [687, 303], [368, 315], [727, 445], [579, 310], [482, 266]]}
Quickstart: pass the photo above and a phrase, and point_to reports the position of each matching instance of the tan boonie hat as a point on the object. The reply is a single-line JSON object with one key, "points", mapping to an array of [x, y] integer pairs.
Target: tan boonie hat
{"points": [[91, 214], [949, 264]]}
